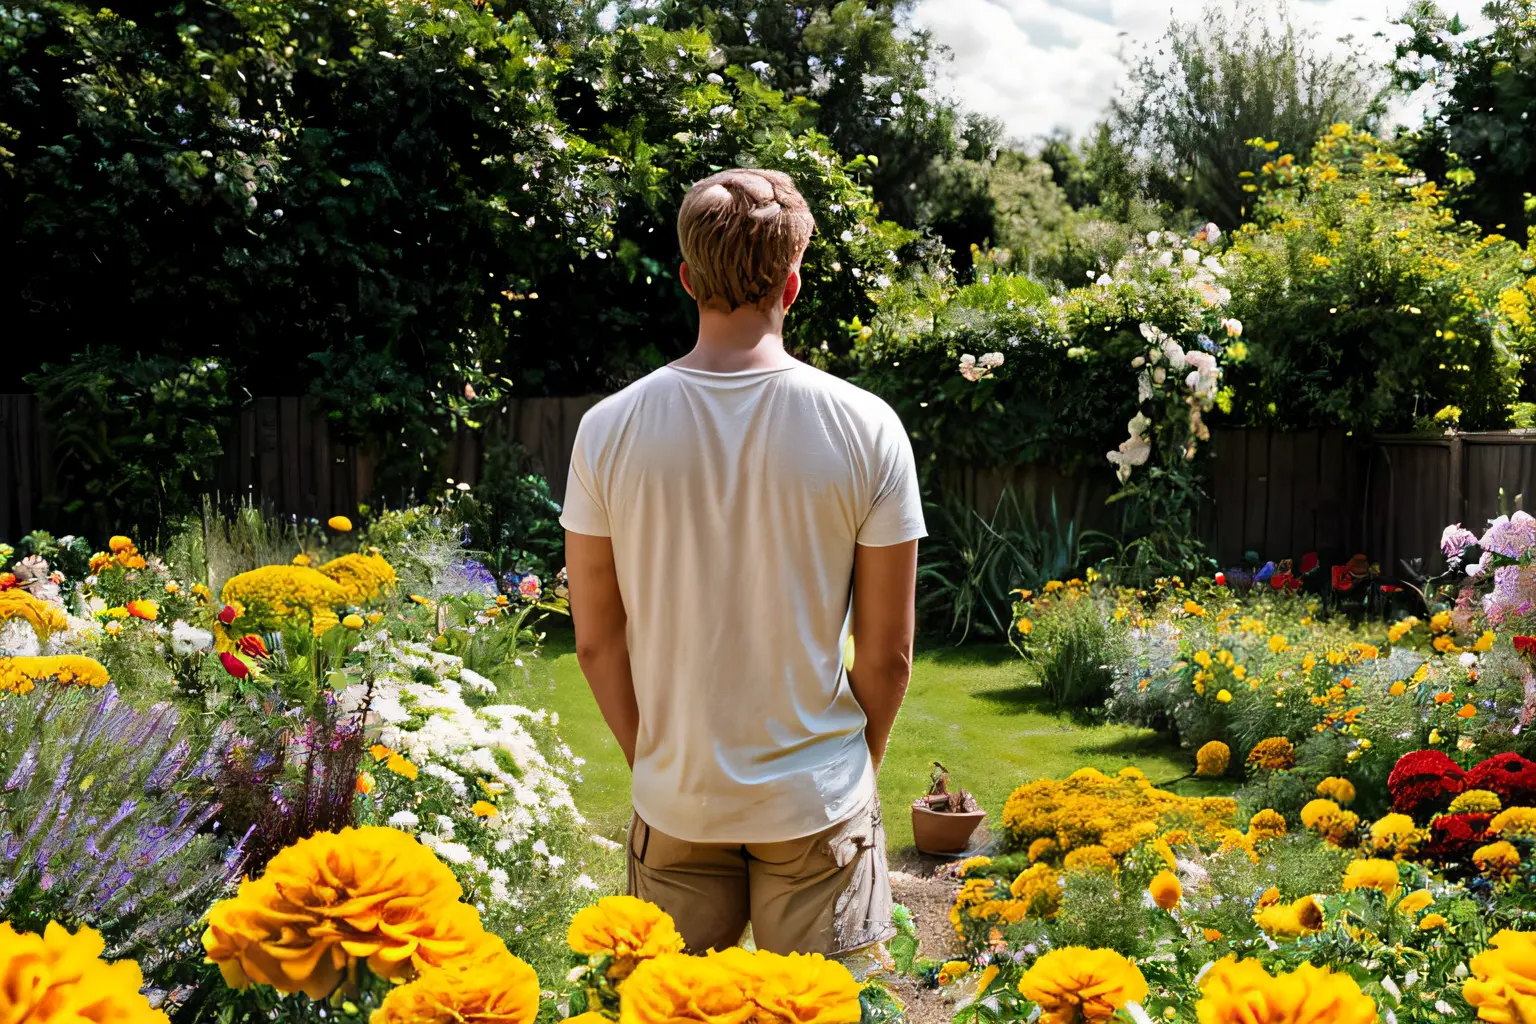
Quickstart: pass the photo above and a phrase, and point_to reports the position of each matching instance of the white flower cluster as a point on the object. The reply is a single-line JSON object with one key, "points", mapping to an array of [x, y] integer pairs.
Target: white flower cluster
{"points": [[1167, 361], [480, 753]]}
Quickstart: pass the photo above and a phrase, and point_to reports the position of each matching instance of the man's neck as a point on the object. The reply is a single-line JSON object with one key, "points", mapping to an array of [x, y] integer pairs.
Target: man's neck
{"points": [[745, 339]]}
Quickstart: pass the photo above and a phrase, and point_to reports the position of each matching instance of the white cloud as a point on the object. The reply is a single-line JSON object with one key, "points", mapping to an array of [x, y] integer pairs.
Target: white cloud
{"points": [[1043, 65]]}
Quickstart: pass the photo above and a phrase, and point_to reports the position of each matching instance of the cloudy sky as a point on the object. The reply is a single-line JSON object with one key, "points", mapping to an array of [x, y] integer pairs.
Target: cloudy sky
{"points": [[1040, 65]]}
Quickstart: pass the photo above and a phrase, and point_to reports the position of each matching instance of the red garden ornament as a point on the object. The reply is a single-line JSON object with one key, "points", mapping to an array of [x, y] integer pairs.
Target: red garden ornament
{"points": [[233, 665], [1308, 562], [1509, 775], [1342, 580], [1454, 837]]}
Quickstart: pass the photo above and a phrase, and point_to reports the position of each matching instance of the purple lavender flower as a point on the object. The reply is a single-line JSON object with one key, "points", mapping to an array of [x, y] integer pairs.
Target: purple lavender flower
{"points": [[469, 577]]}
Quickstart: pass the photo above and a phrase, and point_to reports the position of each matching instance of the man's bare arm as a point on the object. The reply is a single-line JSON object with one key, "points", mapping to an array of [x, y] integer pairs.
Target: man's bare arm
{"points": [[597, 611], [884, 619]]}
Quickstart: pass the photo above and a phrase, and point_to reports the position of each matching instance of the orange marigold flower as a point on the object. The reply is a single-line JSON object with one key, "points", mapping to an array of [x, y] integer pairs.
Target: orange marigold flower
{"points": [[1078, 984], [628, 929], [1241, 992]]}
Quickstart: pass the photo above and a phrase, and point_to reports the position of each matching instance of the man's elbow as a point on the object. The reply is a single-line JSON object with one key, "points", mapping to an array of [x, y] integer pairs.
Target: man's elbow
{"points": [[891, 665]]}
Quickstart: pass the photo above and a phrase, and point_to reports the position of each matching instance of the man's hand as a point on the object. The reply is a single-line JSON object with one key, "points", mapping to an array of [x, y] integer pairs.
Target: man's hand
{"points": [[884, 619], [597, 611]]}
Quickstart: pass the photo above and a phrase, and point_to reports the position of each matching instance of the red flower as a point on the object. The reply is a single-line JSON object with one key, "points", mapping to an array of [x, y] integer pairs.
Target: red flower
{"points": [[1525, 645], [1342, 580], [1454, 837], [1308, 562], [1221, 579], [233, 665], [1424, 781], [252, 645], [228, 614], [8, 580], [1509, 775], [1387, 588]]}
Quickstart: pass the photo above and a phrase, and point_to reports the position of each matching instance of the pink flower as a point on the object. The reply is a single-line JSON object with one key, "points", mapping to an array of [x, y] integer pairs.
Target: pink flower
{"points": [[1455, 540], [530, 587]]}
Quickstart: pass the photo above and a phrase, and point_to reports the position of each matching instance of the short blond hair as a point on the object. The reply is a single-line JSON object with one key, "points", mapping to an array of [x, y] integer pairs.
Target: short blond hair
{"points": [[742, 231]]}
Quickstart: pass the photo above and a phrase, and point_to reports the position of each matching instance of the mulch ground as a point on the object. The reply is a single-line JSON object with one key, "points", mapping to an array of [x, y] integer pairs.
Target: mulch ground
{"points": [[929, 899]]}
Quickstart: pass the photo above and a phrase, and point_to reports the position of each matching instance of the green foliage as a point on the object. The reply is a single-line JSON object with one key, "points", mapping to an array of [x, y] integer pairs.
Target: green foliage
{"points": [[135, 440], [1368, 305], [1073, 647], [1479, 132], [511, 516], [1211, 85]]}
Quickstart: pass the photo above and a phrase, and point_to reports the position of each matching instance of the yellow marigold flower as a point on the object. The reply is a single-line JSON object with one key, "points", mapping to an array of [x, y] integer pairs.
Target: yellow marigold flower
{"points": [[1503, 982], [1444, 644], [172, 587], [1290, 920], [1279, 644], [1043, 848], [484, 809], [1078, 984], [1053, 586], [1497, 860], [1416, 901], [1309, 662], [1037, 890], [144, 609], [402, 766], [1267, 824], [1087, 774], [364, 578], [1269, 897], [302, 559], [1396, 834], [341, 524], [1193, 608], [1401, 628], [353, 621], [1320, 813], [1024, 626], [1431, 921], [734, 986], [60, 977], [119, 544], [1476, 801], [1440, 622], [1241, 992], [1484, 642], [953, 971], [1516, 821], [44, 617], [628, 929], [1212, 935], [1339, 790], [1224, 696], [1372, 873], [496, 988], [1089, 858], [326, 902], [1212, 759], [22, 674], [989, 975], [1398, 688], [1203, 659], [1166, 890], [1273, 754], [273, 595], [1164, 853], [202, 593]]}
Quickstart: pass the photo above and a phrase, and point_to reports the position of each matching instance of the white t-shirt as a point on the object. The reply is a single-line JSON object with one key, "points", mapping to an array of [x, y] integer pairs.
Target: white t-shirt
{"points": [[734, 501]]}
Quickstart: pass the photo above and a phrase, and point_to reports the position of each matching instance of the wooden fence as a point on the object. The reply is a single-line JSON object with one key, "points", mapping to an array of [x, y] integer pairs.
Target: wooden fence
{"points": [[1276, 494]]}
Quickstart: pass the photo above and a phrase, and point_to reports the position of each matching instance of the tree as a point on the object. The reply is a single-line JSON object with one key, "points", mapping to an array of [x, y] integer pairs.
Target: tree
{"points": [[1194, 102], [1485, 90]]}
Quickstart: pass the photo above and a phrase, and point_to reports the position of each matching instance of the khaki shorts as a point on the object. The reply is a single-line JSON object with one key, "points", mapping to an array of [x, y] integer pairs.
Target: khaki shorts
{"points": [[827, 893]]}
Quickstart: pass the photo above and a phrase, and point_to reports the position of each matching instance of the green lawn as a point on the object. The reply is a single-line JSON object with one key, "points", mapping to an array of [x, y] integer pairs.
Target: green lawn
{"points": [[972, 708]]}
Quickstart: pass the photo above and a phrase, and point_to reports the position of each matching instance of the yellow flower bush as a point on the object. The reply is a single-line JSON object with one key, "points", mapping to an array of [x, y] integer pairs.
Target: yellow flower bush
{"points": [[1165, 889], [1241, 992], [1503, 982], [1497, 860], [734, 986], [1079, 984], [373, 894], [1397, 835], [44, 617], [1266, 824], [628, 929], [21, 675], [496, 988], [1273, 754], [1329, 820], [1372, 873], [60, 978], [363, 578], [1212, 759], [1476, 801], [1516, 821], [1090, 858], [1038, 887], [1091, 809], [275, 595]]}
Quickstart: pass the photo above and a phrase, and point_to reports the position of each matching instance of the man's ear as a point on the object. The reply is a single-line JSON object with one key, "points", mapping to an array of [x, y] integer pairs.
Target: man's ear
{"points": [[682, 275], [792, 287]]}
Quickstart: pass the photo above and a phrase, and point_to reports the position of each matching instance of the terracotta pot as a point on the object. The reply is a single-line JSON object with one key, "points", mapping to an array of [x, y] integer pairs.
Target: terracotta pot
{"points": [[939, 832]]}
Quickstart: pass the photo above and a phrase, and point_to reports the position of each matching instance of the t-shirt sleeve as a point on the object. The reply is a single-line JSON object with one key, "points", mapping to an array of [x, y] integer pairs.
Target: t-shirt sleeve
{"points": [[896, 516], [585, 510]]}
